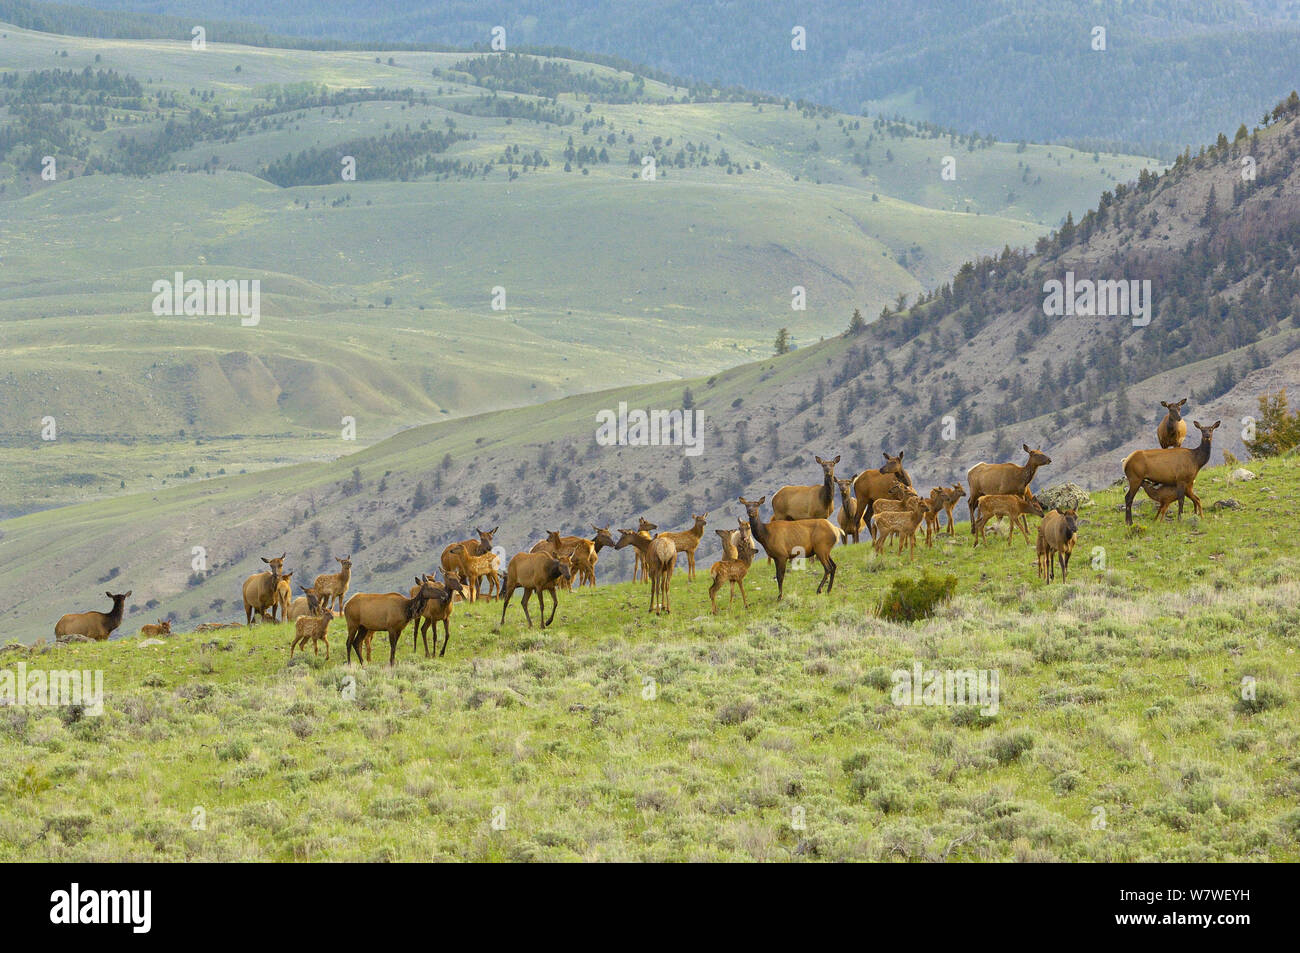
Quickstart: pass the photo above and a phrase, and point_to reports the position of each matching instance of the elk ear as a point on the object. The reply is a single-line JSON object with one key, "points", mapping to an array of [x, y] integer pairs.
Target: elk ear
{"points": [[1197, 425], [1164, 403], [1216, 425], [128, 592], [494, 529], [1025, 447], [1183, 401], [265, 560], [837, 459], [900, 456], [885, 455], [109, 594]]}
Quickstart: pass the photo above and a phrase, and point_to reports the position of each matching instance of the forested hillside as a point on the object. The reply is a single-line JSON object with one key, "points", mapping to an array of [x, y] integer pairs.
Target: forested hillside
{"points": [[1170, 73]]}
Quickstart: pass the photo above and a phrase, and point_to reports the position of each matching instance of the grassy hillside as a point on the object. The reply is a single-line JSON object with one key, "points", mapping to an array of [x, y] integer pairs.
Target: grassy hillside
{"points": [[1122, 732], [608, 278]]}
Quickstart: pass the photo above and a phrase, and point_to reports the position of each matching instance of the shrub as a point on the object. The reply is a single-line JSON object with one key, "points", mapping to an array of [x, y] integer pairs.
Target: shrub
{"points": [[911, 599]]}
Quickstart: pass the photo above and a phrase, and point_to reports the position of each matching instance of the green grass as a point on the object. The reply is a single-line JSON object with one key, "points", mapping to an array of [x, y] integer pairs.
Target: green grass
{"points": [[1120, 699]]}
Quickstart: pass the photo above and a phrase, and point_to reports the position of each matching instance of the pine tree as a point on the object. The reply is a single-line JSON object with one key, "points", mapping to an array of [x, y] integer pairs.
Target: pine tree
{"points": [[783, 341]]}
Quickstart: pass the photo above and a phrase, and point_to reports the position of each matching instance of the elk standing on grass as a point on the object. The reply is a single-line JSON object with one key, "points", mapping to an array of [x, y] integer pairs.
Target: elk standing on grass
{"points": [[872, 485], [1174, 466], [261, 590], [902, 523], [994, 506], [849, 515], [784, 540], [535, 572], [1166, 494], [950, 498], [438, 609], [93, 625], [1057, 534], [334, 585], [314, 626], [644, 528], [659, 556], [1172, 430], [687, 541], [807, 502], [732, 570], [370, 612], [283, 597], [1003, 479]]}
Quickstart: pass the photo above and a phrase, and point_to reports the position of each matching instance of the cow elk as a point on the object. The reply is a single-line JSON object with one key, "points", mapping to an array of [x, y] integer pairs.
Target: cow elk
{"points": [[807, 502], [535, 573], [1172, 429], [872, 485], [369, 612], [659, 556], [1002, 479], [784, 540], [1057, 534], [1173, 466], [261, 590], [93, 625]]}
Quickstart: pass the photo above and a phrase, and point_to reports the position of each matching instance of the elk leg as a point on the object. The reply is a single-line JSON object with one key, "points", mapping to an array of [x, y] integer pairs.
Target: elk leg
{"points": [[393, 638], [780, 577], [1196, 501], [505, 603], [527, 593], [446, 633], [555, 604], [1133, 486]]}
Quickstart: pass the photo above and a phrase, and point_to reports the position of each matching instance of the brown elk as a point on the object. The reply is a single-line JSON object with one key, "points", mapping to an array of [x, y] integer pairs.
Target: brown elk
{"points": [[1057, 534], [283, 597], [872, 485], [1166, 494], [659, 556], [583, 552], [164, 627], [687, 541], [730, 539], [261, 590], [438, 609], [535, 572], [475, 547], [314, 626], [93, 625], [807, 502], [1175, 466], [849, 515], [784, 540], [1172, 429], [473, 569], [732, 570], [1015, 508], [334, 585], [643, 528], [902, 523], [950, 498], [1002, 479], [370, 612]]}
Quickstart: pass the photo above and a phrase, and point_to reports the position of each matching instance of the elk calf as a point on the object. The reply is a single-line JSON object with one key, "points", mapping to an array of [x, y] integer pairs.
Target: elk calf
{"points": [[313, 627], [733, 571], [1014, 508], [164, 627]]}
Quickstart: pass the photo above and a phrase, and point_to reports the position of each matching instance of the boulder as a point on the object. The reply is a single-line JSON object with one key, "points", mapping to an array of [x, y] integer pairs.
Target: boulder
{"points": [[1064, 496], [1240, 475]]}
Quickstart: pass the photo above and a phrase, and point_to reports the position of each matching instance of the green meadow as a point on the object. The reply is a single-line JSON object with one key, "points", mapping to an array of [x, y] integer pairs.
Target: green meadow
{"points": [[1146, 712]]}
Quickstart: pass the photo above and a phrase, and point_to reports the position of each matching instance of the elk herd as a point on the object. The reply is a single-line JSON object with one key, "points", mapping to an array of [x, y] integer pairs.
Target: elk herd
{"points": [[806, 524]]}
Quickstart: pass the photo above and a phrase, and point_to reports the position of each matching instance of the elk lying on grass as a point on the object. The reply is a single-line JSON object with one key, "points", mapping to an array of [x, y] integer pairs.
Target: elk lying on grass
{"points": [[1056, 537], [732, 570], [438, 609], [1172, 430], [370, 612], [334, 585], [1174, 466], [314, 626], [872, 485], [1002, 479], [261, 590], [994, 506], [164, 627], [1166, 494], [687, 541], [902, 523], [807, 502], [659, 556], [92, 625], [784, 540], [536, 573]]}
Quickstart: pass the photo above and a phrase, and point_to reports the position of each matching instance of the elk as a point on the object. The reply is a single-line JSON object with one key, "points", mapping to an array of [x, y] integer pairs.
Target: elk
{"points": [[473, 569], [261, 590], [950, 498], [535, 572], [644, 528], [732, 570], [164, 627], [1002, 479], [283, 596], [687, 540], [1166, 494], [872, 485], [901, 523], [1015, 508], [314, 626], [475, 547], [1172, 429], [1057, 534], [370, 612], [438, 609], [582, 551], [932, 510], [1175, 466], [93, 625], [659, 556], [334, 585], [786, 539], [849, 515], [807, 502]]}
